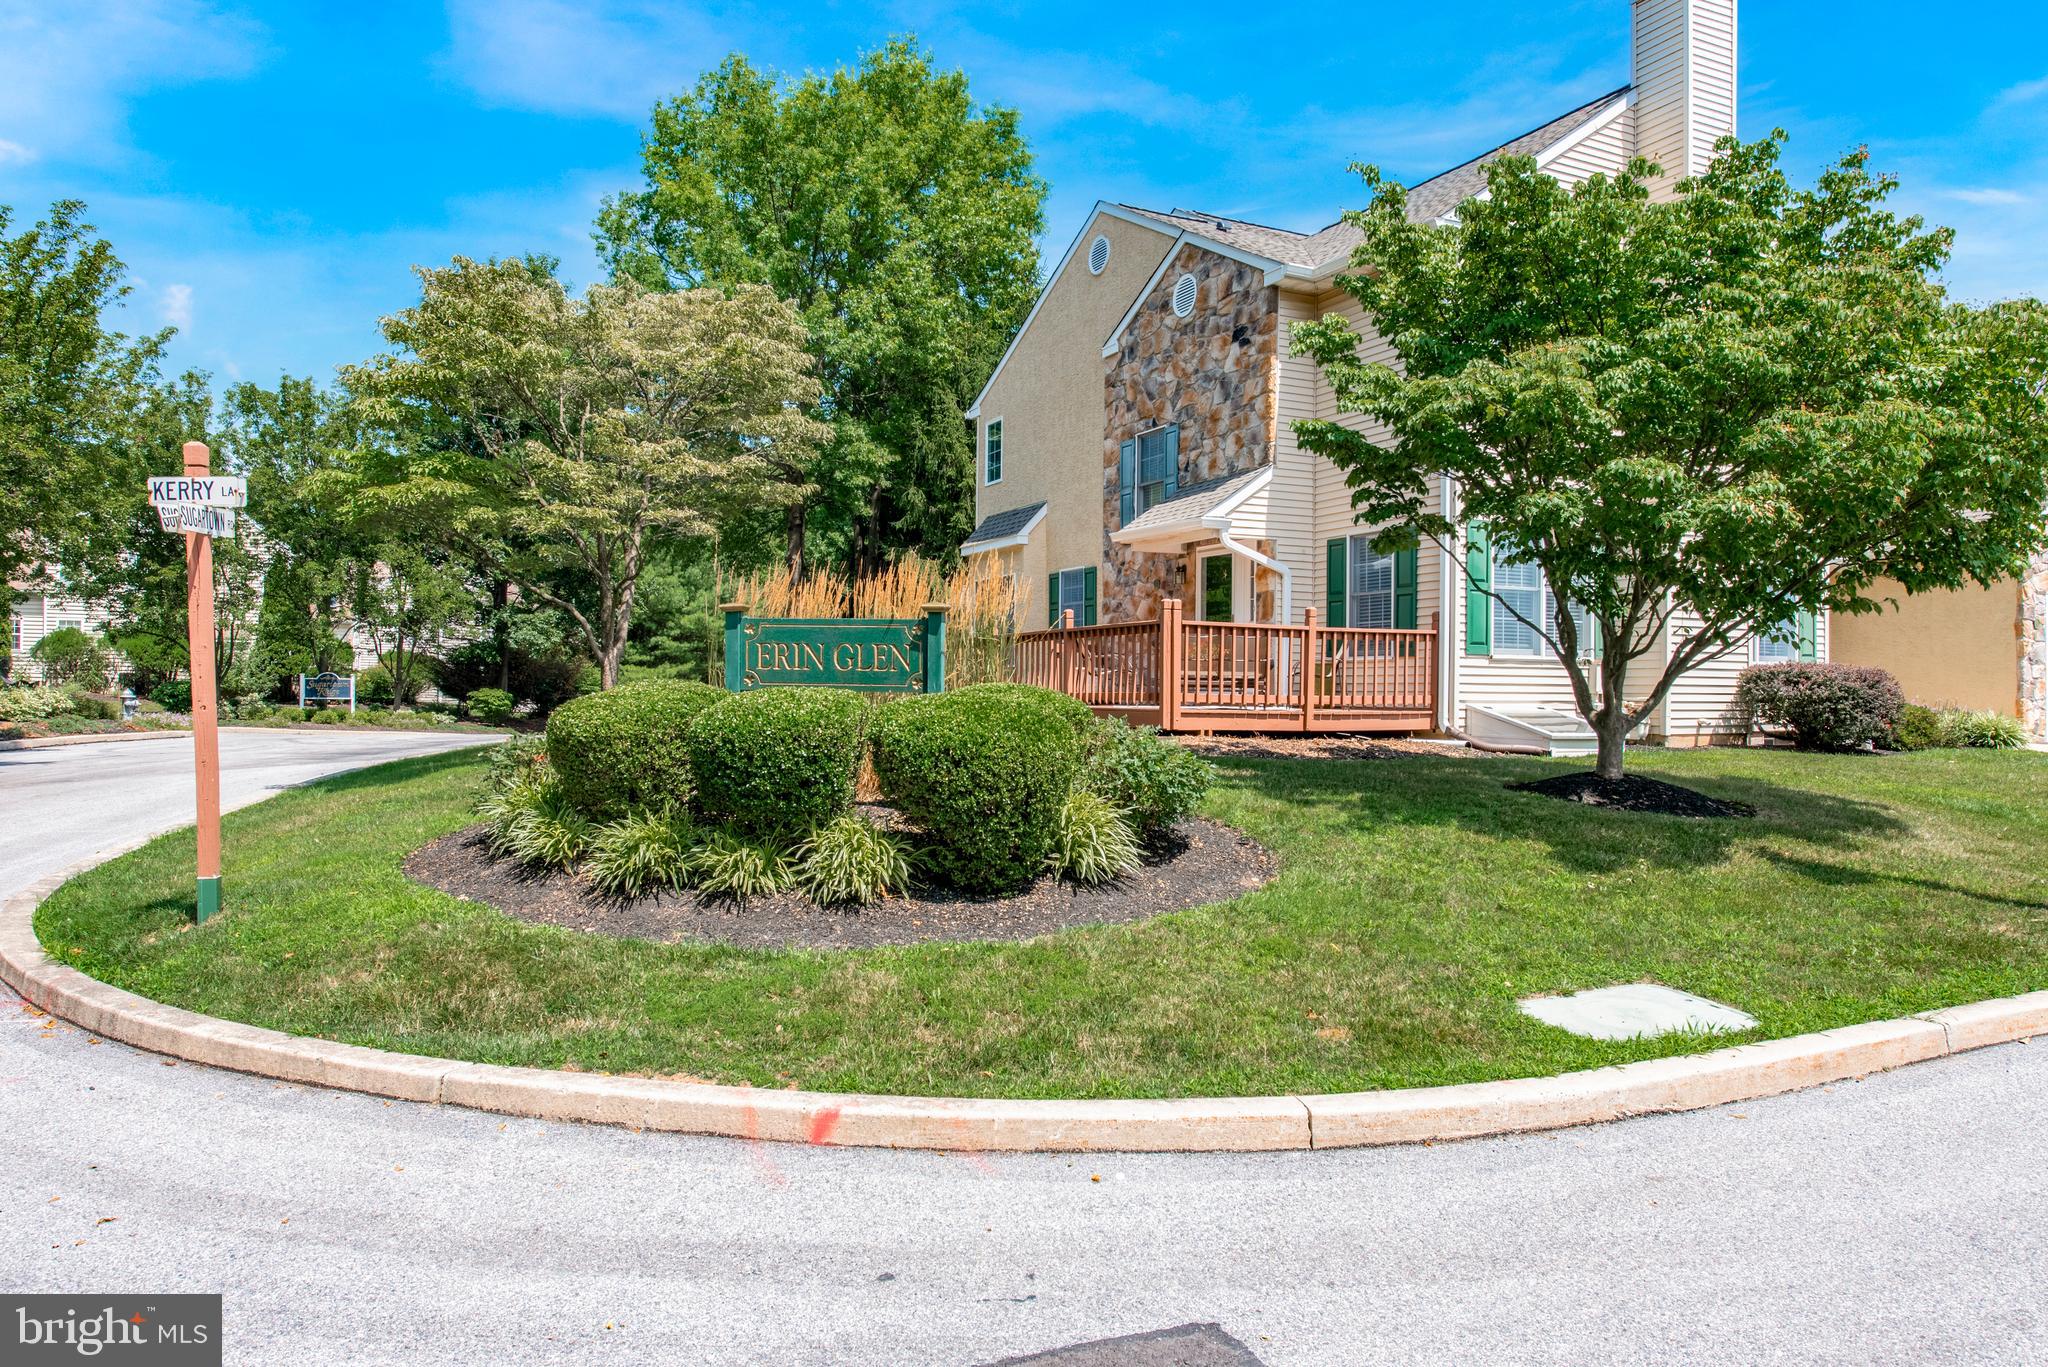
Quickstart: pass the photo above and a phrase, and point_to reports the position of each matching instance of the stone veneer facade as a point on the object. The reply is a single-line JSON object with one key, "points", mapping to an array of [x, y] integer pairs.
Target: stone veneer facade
{"points": [[2033, 646], [1214, 373]]}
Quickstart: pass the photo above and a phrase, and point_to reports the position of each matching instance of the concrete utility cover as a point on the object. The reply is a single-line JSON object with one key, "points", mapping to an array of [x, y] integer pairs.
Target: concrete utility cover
{"points": [[1635, 1010], [1186, 1345]]}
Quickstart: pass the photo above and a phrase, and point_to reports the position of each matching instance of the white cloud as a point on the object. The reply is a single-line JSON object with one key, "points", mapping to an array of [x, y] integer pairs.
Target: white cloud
{"points": [[175, 303], [565, 58], [68, 71], [1988, 195], [2026, 92], [14, 152]]}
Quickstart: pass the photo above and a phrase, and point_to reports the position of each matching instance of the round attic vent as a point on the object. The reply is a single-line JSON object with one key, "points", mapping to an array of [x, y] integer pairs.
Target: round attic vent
{"points": [[1184, 296], [1098, 255]]}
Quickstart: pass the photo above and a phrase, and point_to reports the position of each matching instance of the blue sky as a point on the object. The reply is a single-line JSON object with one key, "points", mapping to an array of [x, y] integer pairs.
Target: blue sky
{"points": [[271, 173]]}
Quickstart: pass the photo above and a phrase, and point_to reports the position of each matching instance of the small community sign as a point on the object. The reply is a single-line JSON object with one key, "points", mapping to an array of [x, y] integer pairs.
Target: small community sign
{"points": [[328, 687], [867, 654]]}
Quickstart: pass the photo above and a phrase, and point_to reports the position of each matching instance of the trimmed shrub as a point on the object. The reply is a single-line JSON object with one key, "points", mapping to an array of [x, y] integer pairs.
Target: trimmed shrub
{"points": [[1919, 728], [173, 695], [1095, 844], [32, 703], [1826, 706], [93, 708], [69, 656], [627, 748], [984, 772], [850, 859], [373, 687], [327, 716], [777, 760], [730, 865], [491, 706], [1981, 731], [642, 851], [1072, 711], [1153, 781]]}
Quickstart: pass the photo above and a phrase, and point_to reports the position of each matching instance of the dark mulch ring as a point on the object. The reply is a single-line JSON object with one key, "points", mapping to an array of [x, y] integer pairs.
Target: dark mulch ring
{"points": [[1207, 863], [1318, 747], [1634, 795]]}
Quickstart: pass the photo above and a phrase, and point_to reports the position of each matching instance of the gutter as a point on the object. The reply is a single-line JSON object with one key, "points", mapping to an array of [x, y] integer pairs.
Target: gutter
{"points": [[1236, 547]]}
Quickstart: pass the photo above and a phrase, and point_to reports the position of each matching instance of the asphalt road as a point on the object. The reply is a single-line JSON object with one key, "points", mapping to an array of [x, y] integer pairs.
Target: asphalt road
{"points": [[1900, 1219]]}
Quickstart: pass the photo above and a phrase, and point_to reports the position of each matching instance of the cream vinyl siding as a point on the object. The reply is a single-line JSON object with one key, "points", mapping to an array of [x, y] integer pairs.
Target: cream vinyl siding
{"points": [[1713, 77], [1500, 680], [1702, 703], [1605, 151], [1684, 59], [1290, 500], [1333, 513]]}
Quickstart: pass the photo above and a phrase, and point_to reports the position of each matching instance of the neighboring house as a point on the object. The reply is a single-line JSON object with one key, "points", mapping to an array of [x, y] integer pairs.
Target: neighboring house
{"points": [[1136, 441], [1981, 648], [35, 614]]}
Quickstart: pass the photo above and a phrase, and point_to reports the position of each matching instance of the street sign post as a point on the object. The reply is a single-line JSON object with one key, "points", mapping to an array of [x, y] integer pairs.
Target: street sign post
{"points": [[198, 505]]}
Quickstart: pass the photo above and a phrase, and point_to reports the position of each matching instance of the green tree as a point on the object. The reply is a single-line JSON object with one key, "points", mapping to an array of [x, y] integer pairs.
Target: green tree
{"points": [[75, 396], [1752, 400], [69, 656], [407, 602], [901, 219], [595, 426]]}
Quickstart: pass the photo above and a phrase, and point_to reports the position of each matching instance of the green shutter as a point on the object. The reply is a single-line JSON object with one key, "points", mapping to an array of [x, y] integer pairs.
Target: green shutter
{"points": [[1126, 482], [1087, 597], [1052, 599], [1404, 589], [1335, 578], [1172, 460], [1809, 636], [1478, 585]]}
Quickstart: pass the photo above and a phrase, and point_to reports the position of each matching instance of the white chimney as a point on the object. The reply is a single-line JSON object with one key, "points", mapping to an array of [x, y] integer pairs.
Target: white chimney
{"points": [[1684, 78]]}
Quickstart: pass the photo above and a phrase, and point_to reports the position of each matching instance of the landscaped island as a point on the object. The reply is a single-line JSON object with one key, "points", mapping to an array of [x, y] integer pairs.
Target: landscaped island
{"points": [[1416, 900]]}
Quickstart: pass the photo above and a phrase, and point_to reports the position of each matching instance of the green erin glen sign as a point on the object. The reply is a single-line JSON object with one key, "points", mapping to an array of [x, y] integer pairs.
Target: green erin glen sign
{"points": [[872, 654]]}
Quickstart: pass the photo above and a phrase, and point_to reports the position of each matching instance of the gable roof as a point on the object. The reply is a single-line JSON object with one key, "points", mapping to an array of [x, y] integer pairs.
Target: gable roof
{"points": [[1192, 505], [1011, 527], [1427, 200]]}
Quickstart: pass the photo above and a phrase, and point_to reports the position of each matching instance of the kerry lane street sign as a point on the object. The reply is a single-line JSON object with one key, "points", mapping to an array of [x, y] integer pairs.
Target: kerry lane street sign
{"points": [[870, 655], [200, 491]]}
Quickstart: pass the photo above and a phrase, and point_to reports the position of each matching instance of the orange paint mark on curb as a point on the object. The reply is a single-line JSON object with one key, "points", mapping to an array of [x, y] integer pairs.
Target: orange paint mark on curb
{"points": [[823, 1124]]}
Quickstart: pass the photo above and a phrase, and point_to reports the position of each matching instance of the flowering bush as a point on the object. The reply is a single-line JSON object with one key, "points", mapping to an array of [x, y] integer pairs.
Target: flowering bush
{"points": [[1826, 706]]}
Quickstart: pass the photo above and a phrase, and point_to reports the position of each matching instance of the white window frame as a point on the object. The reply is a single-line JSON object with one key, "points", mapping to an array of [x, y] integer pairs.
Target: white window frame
{"points": [[1789, 643], [1363, 559], [1079, 604], [993, 426], [1140, 501], [1506, 623]]}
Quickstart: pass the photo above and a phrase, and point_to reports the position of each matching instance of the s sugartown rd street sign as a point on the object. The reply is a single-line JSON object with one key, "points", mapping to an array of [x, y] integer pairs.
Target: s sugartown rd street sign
{"points": [[203, 491], [873, 654], [194, 517]]}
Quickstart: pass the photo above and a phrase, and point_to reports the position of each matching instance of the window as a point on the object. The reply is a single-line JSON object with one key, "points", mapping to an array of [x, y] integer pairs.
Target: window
{"points": [[1521, 583], [1372, 586], [1778, 646], [1074, 591], [1098, 255], [1156, 451], [992, 452]]}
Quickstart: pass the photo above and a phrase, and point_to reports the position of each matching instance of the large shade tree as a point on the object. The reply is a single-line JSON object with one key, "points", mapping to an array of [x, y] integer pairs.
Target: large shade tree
{"points": [[1750, 400], [900, 218], [593, 427]]}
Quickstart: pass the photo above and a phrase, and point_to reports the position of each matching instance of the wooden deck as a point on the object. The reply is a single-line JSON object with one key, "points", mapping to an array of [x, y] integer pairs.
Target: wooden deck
{"points": [[1228, 676]]}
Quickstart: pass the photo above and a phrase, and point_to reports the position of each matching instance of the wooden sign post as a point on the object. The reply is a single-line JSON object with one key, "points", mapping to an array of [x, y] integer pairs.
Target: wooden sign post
{"points": [[205, 699]]}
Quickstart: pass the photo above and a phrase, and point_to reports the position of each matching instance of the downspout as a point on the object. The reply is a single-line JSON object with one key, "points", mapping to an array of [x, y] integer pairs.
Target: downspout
{"points": [[1236, 547], [1449, 592]]}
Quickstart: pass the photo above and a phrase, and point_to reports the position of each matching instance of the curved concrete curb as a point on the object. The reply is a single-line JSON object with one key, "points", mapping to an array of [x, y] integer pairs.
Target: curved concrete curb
{"points": [[1740, 1073]]}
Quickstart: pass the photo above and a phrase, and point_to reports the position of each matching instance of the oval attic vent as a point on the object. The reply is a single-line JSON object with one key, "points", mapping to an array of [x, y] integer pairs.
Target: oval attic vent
{"points": [[1184, 296], [1098, 255]]}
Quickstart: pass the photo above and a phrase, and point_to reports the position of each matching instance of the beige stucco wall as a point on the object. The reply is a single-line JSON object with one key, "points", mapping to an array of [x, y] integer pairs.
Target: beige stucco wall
{"points": [[1948, 647], [1049, 396]]}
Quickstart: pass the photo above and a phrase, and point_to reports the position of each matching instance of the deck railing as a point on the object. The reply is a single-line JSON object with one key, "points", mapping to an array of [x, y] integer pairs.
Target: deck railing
{"points": [[1242, 676]]}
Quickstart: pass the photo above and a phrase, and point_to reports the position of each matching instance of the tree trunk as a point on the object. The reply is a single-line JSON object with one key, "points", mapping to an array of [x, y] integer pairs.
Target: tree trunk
{"points": [[1611, 722], [793, 522], [501, 598]]}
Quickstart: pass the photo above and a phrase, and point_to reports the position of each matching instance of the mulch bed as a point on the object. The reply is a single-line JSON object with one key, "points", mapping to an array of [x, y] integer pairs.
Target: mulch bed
{"points": [[1208, 863], [1634, 795], [1317, 747]]}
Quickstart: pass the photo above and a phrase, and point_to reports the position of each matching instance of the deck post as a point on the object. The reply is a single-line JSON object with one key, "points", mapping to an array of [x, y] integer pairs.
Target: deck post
{"points": [[1170, 671], [1065, 646], [1308, 669]]}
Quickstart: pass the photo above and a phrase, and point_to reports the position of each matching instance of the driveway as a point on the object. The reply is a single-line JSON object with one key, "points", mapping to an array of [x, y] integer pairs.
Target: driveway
{"points": [[1900, 1219]]}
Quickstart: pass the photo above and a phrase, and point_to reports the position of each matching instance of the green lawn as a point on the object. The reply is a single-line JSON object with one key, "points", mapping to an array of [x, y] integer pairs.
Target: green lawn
{"points": [[1417, 901]]}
